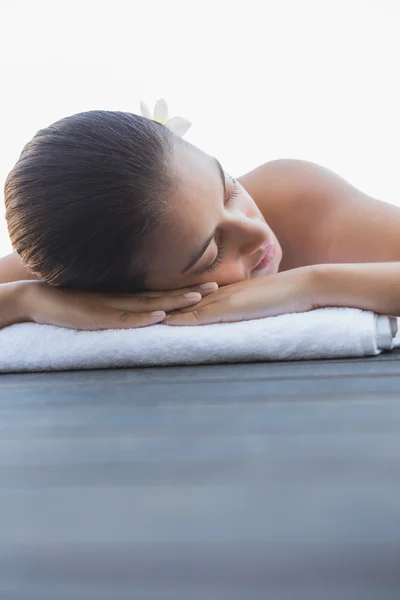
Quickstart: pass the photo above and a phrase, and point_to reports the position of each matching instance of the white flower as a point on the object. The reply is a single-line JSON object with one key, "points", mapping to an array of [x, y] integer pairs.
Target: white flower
{"points": [[177, 124]]}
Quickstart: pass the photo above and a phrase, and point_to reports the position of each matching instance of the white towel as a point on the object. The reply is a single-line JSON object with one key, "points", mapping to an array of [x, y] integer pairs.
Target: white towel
{"points": [[322, 333]]}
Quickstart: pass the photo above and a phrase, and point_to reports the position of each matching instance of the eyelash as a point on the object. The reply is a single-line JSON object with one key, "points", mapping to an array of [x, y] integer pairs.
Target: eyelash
{"points": [[214, 265]]}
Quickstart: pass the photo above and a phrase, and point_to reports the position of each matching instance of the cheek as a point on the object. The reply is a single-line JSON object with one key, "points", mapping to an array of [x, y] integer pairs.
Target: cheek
{"points": [[248, 204], [245, 205], [231, 272], [251, 208]]}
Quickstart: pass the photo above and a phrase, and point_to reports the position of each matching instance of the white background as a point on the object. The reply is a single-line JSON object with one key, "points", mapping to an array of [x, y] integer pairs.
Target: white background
{"points": [[259, 80]]}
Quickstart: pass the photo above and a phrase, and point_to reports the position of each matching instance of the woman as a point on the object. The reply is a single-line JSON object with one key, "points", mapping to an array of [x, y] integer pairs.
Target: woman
{"points": [[115, 217]]}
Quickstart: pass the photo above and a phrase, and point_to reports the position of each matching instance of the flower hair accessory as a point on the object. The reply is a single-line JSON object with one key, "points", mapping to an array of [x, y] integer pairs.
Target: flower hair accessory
{"points": [[177, 125]]}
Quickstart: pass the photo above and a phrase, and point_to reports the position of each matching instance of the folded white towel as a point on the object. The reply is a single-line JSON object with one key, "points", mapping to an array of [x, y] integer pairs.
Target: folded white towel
{"points": [[322, 333], [396, 339]]}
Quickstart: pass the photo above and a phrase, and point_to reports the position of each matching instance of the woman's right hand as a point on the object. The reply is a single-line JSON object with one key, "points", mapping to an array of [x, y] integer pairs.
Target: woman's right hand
{"points": [[91, 311]]}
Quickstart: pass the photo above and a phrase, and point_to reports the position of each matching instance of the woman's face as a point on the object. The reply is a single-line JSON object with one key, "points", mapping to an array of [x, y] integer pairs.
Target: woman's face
{"points": [[213, 231]]}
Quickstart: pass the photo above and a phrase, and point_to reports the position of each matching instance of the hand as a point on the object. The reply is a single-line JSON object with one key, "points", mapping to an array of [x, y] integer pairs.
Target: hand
{"points": [[92, 311], [287, 292]]}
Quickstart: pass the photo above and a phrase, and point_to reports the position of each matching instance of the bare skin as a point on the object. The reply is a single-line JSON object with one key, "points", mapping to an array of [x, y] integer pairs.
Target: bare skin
{"points": [[317, 216], [314, 216], [321, 222], [320, 218], [310, 213]]}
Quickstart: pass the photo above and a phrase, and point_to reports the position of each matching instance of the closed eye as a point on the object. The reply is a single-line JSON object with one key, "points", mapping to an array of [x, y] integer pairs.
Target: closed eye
{"points": [[236, 189], [215, 264]]}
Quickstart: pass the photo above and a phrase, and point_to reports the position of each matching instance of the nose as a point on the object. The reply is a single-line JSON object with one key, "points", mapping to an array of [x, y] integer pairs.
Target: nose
{"points": [[250, 235]]}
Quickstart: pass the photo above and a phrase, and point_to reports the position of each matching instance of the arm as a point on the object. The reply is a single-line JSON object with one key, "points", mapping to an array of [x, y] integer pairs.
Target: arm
{"points": [[11, 304], [369, 286], [24, 301], [13, 269]]}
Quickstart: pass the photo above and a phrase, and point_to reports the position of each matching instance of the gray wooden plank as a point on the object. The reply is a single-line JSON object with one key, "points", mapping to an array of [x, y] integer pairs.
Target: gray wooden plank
{"points": [[204, 392], [258, 481]]}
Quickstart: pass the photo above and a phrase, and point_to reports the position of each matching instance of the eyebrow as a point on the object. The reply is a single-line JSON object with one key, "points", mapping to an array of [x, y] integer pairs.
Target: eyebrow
{"points": [[199, 253]]}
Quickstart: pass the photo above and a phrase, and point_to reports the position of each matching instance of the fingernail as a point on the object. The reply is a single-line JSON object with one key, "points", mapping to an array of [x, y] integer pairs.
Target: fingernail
{"points": [[208, 286], [192, 295], [158, 313]]}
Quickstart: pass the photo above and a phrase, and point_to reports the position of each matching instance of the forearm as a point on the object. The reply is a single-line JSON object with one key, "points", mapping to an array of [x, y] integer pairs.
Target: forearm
{"points": [[11, 310], [13, 269], [369, 286]]}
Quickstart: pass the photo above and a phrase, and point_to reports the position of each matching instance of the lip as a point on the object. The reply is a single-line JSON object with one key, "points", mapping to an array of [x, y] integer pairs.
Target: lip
{"points": [[267, 256]]}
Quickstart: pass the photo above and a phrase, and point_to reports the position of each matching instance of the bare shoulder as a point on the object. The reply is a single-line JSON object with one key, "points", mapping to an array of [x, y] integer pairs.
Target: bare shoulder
{"points": [[13, 269], [290, 179], [320, 216]]}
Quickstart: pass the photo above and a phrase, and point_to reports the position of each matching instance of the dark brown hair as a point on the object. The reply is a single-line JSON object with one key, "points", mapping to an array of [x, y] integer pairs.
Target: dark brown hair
{"points": [[84, 196]]}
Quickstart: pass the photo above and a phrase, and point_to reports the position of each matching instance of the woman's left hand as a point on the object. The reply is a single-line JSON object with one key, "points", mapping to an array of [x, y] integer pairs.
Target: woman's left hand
{"points": [[292, 291]]}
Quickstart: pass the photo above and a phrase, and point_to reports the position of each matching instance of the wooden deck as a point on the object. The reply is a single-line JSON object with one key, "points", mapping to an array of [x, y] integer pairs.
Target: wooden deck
{"points": [[263, 481]]}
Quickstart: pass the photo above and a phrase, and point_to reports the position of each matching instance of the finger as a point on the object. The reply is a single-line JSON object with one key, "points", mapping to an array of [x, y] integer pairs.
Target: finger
{"points": [[145, 304], [202, 316], [129, 319], [116, 319], [214, 299], [204, 289]]}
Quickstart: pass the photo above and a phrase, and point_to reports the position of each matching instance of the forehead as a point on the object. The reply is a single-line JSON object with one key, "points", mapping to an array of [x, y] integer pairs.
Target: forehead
{"points": [[195, 170], [191, 211]]}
